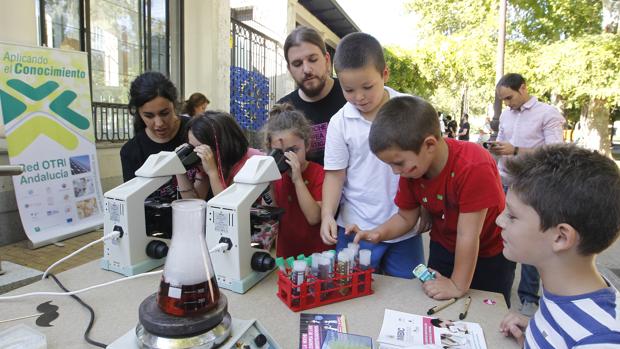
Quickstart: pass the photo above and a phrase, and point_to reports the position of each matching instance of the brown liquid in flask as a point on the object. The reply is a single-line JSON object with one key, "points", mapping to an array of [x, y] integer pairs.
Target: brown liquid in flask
{"points": [[188, 300], [188, 285]]}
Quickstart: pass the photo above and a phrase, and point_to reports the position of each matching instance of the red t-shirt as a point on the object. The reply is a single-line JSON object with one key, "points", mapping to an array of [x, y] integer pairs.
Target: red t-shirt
{"points": [[296, 235], [469, 182]]}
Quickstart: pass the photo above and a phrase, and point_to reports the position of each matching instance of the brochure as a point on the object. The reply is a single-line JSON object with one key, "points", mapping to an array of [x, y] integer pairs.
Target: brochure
{"points": [[313, 328], [403, 330], [337, 340]]}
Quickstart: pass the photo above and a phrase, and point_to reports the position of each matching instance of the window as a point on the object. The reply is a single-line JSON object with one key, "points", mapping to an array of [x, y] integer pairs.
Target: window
{"points": [[127, 37], [60, 24]]}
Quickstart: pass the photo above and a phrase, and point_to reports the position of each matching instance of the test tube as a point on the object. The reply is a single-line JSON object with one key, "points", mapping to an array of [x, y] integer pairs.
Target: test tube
{"points": [[344, 265], [355, 248], [364, 265], [289, 262], [314, 266], [280, 265], [298, 276], [324, 270]]}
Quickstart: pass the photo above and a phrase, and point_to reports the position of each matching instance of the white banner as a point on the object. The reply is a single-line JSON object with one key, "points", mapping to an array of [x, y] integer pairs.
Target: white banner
{"points": [[46, 111]]}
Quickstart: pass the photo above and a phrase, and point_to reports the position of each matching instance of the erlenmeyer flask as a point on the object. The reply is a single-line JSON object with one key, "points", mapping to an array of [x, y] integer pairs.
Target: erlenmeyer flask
{"points": [[188, 285]]}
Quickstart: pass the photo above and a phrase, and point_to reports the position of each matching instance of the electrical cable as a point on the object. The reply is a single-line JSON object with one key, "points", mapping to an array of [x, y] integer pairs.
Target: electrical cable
{"points": [[90, 311], [112, 235]]}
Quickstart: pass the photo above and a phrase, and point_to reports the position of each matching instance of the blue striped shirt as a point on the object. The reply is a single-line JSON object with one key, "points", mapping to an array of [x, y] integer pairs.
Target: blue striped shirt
{"points": [[587, 321]]}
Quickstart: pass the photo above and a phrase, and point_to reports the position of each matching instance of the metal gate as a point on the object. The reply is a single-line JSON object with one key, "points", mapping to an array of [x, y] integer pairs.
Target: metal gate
{"points": [[256, 62]]}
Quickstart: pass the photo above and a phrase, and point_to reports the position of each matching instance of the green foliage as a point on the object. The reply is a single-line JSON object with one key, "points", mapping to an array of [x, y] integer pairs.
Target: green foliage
{"points": [[556, 44], [552, 20], [405, 76], [575, 69]]}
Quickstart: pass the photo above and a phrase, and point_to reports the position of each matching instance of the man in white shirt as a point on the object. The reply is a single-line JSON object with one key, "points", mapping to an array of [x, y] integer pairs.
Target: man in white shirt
{"points": [[524, 126]]}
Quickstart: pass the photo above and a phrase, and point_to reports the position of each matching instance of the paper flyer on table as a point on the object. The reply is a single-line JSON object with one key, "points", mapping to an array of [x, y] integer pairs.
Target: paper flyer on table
{"points": [[403, 330]]}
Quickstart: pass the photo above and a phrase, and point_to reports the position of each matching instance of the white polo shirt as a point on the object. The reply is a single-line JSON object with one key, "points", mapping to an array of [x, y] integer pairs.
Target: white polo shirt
{"points": [[370, 185]]}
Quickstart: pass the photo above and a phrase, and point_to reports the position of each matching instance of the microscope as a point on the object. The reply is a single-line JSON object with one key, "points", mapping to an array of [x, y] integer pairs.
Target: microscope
{"points": [[141, 248]]}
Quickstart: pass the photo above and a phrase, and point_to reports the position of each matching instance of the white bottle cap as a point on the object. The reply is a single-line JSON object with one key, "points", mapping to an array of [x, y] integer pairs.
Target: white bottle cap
{"points": [[353, 246], [299, 266], [322, 260], [365, 257], [344, 256]]}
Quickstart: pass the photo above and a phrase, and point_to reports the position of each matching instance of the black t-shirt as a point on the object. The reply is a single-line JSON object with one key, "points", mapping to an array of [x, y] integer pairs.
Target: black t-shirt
{"points": [[135, 152], [465, 137], [318, 113]]}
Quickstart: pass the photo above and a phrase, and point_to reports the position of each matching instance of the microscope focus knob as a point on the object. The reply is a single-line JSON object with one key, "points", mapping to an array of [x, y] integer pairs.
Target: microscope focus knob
{"points": [[262, 261], [156, 249]]}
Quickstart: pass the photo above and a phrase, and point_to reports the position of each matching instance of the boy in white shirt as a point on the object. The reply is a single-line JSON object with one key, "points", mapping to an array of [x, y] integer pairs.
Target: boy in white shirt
{"points": [[355, 178]]}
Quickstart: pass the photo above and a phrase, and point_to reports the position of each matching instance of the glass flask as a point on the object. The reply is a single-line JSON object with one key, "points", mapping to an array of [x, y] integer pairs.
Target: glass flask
{"points": [[188, 286]]}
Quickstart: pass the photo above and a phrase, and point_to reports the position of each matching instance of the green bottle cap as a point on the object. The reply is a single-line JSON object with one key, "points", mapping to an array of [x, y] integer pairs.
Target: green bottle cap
{"points": [[280, 261], [290, 261], [301, 257]]}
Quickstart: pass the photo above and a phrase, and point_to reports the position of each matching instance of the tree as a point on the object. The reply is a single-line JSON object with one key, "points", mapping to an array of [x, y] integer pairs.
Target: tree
{"points": [[558, 45]]}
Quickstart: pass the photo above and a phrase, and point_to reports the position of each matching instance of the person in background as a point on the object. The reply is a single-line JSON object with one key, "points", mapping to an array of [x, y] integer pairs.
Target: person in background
{"points": [[157, 127], [526, 125], [222, 148], [356, 181], [562, 210], [318, 95], [298, 192], [464, 128], [196, 104]]}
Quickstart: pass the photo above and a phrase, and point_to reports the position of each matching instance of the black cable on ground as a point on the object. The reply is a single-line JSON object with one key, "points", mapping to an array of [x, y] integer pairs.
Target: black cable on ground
{"points": [[90, 310]]}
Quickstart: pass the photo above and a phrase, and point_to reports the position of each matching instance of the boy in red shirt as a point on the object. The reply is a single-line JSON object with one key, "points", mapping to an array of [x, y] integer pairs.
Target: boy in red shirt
{"points": [[458, 183]]}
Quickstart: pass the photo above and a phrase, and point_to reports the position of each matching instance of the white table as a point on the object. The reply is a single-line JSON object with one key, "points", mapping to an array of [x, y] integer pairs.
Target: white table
{"points": [[116, 308]]}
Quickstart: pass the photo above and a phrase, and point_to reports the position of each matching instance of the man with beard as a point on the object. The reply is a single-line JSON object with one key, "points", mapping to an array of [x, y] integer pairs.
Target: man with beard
{"points": [[318, 94]]}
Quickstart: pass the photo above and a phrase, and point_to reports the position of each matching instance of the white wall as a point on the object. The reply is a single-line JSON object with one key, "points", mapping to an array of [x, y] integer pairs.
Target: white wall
{"points": [[18, 22], [207, 50]]}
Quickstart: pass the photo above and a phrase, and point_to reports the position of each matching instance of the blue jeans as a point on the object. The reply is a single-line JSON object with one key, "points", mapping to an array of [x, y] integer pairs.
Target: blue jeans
{"points": [[397, 259], [529, 284]]}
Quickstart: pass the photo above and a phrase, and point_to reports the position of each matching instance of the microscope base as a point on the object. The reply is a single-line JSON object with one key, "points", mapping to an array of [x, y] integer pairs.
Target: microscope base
{"points": [[243, 285], [130, 270]]}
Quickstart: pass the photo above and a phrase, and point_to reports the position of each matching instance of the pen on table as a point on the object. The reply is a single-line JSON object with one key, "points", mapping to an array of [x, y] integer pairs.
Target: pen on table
{"points": [[441, 306], [465, 309]]}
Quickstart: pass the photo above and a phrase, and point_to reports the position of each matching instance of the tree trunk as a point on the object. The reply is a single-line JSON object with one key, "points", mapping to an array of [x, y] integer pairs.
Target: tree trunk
{"points": [[594, 123]]}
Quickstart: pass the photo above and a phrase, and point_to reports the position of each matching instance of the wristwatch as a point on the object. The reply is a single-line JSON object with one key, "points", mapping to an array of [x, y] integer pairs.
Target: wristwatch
{"points": [[516, 151]]}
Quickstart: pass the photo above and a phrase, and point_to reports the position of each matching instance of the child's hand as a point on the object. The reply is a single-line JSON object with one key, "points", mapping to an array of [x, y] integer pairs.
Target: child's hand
{"points": [[514, 325], [329, 231], [366, 235], [207, 159], [441, 287], [293, 162]]}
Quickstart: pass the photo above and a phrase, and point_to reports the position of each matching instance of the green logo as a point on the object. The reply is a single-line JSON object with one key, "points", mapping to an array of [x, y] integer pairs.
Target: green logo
{"points": [[26, 133]]}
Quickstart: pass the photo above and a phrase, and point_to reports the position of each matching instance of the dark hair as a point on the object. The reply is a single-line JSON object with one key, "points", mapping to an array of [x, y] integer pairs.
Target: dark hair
{"points": [[403, 122], [146, 87], [220, 131], [284, 117], [195, 100], [356, 50], [567, 184], [303, 34], [511, 80]]}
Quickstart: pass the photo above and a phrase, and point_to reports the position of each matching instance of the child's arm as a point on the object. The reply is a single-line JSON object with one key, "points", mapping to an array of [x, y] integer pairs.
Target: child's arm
{"points": [[398, 225], [468, 229], [310, 208], [332, 190], [514, 325]]}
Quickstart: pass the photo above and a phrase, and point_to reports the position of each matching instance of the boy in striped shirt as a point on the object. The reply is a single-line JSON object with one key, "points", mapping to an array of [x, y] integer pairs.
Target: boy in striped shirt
{"points": [[562, 209]]}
